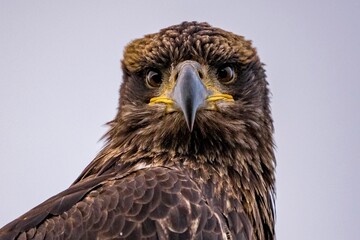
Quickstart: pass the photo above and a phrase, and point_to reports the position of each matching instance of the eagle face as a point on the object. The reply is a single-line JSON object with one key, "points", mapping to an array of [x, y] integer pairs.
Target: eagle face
{"points": [[189, 154], [191, 86]]}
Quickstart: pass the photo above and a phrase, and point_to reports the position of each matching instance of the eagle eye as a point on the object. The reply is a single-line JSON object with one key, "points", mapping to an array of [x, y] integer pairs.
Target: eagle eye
{"points": [[153, 79], [226, 74]]}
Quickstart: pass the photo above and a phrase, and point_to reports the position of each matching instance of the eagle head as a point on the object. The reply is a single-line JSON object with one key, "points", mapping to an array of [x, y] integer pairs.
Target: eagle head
{"points": [[193, 89]]}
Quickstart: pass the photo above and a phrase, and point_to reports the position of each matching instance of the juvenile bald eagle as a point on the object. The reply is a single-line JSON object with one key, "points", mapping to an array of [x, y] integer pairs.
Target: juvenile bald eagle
{"points": [[188, 156]]}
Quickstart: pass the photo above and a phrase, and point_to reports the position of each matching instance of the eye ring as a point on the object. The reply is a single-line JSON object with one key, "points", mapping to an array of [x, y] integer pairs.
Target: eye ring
{"points": [[153, 79], [226, 74]]}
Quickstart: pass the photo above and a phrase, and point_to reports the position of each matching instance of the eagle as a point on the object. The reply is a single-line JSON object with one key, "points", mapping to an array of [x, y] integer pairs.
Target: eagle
{"points": [[189, 154]]}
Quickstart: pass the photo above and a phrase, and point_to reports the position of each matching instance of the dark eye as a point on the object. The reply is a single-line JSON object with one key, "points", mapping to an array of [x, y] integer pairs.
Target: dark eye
{"points": [[153, 79], [226, 74]]}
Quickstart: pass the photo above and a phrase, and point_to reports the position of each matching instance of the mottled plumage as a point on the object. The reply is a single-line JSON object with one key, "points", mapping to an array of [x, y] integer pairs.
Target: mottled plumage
{"points": [[188, 156]]}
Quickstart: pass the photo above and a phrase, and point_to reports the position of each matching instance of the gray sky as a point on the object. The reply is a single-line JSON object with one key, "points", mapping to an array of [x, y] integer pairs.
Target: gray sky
{"points": [[60, 75]]}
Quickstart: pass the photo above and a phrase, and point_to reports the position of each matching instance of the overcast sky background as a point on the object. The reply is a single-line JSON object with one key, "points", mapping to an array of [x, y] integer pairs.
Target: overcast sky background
{"points": [[60, 75]]}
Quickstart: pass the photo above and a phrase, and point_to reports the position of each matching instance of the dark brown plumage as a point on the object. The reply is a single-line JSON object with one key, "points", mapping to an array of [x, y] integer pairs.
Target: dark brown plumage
{"points": [[189, 154]]}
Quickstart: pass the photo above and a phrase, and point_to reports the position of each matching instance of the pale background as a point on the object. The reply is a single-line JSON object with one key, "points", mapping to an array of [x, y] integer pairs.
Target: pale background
{"points": [[59, 80]]}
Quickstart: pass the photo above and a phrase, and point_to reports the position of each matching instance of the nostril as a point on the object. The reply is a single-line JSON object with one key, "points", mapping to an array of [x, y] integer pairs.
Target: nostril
{"points": [[200, 74]]}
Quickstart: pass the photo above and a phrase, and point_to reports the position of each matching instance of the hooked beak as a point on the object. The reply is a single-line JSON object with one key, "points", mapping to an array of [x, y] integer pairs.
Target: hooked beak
{"points": [[189, 92]]}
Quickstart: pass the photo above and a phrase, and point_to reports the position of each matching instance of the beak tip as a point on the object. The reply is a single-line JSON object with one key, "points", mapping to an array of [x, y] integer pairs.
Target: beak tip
{"points": [[190, 122], [191, 127]]}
